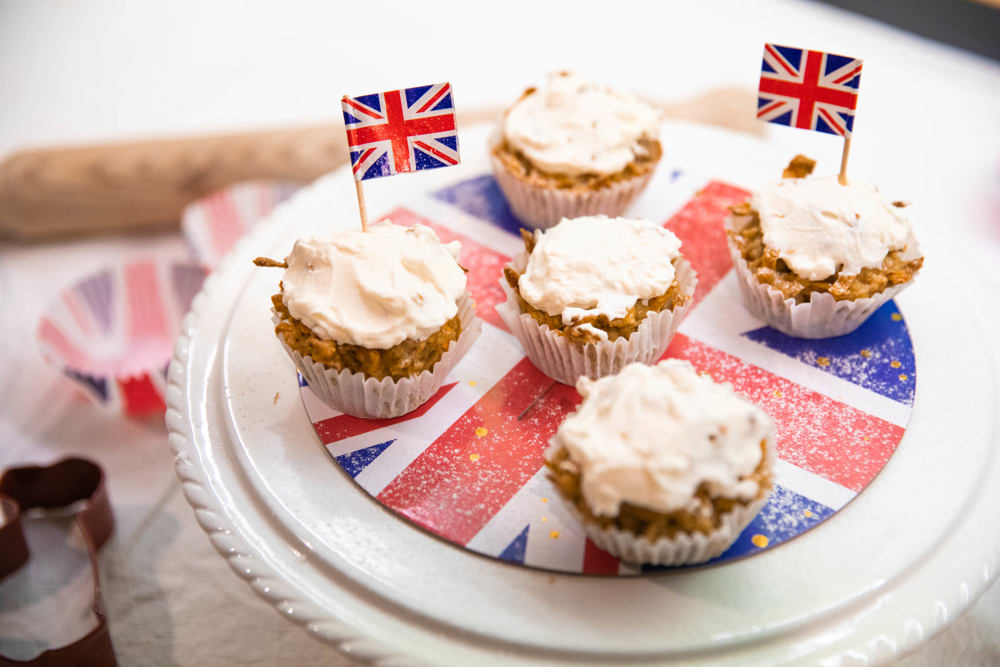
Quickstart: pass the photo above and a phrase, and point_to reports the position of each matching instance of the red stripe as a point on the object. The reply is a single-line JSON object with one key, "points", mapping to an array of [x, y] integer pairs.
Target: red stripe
{"points": [[597, 561], [700, 227], [781, 59], [345, 426], [146, 313], [834, 123], [52, 335], [435, 152], [364, 156], [850, 75], [441, 93], [468, 474], [224, 226], [767, 108], [140, 396], [815, 432], [363, 109], [484, 266]]}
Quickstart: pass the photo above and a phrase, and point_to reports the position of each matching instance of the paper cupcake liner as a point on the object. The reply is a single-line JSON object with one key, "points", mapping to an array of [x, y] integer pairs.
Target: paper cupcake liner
{"points": [[682, 549], [113, 332], [565, 361], [361, 396], [541, 208], [213, 224], [820, 317]]}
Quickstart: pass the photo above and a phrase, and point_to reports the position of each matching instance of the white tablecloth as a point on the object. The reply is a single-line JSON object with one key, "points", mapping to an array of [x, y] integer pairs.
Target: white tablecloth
{"points": [[115, 70]]}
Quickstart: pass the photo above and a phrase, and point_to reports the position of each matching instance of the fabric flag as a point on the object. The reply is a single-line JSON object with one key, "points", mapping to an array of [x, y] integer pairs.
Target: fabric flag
{"points": [[811, 90], [401, 130]]}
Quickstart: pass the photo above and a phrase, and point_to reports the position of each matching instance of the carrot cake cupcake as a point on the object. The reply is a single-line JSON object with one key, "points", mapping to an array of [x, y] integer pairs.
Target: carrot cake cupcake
{"points": [[663, 465], [574, 148], [593, 294], [815, 258], [375, 320]]}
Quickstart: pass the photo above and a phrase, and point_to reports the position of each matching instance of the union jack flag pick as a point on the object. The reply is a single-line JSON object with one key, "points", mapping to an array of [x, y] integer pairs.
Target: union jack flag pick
{"points": [[811, 90], [401, 130]]}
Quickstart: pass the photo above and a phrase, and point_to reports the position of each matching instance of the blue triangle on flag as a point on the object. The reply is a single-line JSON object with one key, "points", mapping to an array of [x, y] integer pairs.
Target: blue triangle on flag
{"points": [[415, 93], [790, 53], [877, 356], [821, 125], [350, 119], [373, 101], [833, 62], [515, 551], [424, 160], [354, 462], [380, 167], [783, 119], [848, 121], [451, 141], [443, 103], [766, 66]]}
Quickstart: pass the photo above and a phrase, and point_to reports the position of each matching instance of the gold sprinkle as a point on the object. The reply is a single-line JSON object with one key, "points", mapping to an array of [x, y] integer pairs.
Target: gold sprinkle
{"points": [[473, 457], [895, 364], [759, 541], [904, 377], [808, 514], [822, 361], [277, 395], [472, 383], [545, 518], [896, 317], [777, 393], [554, 534], [866, 353], [545, 500], [480, 431]]}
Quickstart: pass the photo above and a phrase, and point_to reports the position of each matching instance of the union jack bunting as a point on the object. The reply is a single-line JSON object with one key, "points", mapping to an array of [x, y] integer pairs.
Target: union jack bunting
{"points": [[811, 90], [401, 130]]}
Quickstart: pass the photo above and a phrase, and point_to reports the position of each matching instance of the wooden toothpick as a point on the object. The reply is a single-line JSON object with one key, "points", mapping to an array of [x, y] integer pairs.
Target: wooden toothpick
{"points": [[361, 206], [842, 178]]}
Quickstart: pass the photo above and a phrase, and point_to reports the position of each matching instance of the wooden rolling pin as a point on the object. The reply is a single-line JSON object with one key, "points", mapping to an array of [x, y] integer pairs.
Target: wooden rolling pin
{"points": [[56, 193]]}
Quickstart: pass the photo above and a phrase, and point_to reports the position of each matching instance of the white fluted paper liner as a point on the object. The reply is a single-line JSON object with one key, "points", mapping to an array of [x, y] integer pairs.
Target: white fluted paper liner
{"points": [[565, 361], [541, 208], [362, 396], [820, 317], [683, 548]]}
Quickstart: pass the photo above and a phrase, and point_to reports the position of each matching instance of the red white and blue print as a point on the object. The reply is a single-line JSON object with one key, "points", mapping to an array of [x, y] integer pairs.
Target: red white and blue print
{"points": [[810, 90], [401, 130], [468, 465]]}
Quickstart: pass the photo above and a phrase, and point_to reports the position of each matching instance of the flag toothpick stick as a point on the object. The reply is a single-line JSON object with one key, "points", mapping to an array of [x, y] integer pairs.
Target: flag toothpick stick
{"points": [[361, 206], [842, 177]]}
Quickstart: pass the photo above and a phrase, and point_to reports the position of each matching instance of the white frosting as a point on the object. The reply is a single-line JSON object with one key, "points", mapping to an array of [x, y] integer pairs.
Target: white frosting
{"points": [[596, 265], [820, 227], [651, 435], [575, 126], [375, 288]]}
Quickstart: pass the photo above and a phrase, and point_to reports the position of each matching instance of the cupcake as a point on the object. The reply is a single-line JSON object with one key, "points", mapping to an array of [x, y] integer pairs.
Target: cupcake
{"points": [[662, 465], [375, 320], [575, 148], [814, 258], [593, 294]]}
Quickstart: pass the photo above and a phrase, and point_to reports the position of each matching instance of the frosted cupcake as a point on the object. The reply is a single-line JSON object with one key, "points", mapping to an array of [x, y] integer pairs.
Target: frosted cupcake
{"points": [[593, 294], [663, 465], [574, 148], [815, 258], [375, 320]]}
